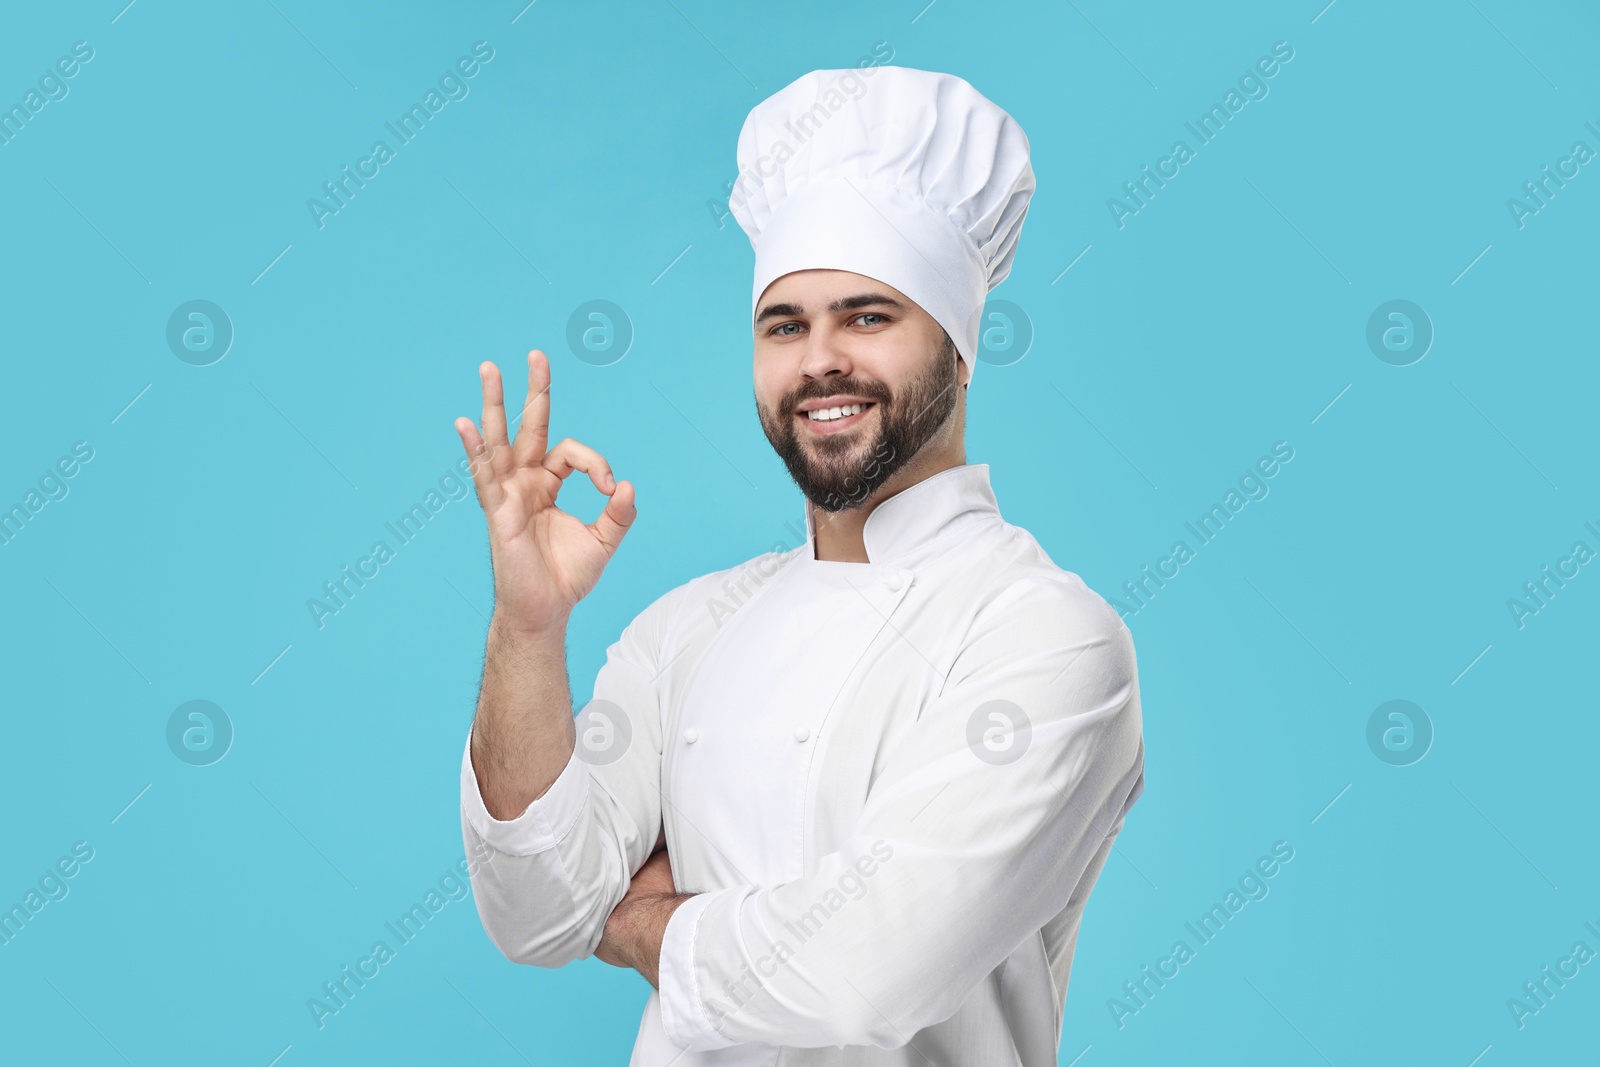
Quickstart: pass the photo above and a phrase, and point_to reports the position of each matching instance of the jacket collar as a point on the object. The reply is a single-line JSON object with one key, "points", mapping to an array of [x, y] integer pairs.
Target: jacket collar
{"points": [[909, 523]]}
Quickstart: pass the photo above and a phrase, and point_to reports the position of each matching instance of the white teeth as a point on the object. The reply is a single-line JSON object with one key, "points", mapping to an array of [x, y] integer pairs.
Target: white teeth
{"points": [[829, 414]]}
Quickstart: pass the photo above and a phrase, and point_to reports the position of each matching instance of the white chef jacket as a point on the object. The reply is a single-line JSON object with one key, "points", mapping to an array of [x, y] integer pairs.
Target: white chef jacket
{"points": [[892, 785]]}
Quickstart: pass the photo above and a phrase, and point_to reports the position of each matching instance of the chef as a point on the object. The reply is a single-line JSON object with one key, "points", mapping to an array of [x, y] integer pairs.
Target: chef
{"points": [[842, 803]]}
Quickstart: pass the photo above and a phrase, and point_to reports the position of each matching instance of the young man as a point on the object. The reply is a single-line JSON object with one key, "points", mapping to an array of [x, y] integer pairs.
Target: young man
{"points": [[887, 766]]}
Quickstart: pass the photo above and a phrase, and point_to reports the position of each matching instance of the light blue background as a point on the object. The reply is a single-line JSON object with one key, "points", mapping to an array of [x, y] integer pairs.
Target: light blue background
{"points": [[1225, 316]]}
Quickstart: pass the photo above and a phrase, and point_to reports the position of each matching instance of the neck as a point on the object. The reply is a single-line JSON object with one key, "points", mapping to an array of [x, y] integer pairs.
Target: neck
{"points": [[840, 535]]}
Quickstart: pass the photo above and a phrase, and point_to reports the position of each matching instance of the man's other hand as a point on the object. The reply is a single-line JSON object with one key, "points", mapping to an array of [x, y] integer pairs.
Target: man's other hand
{"points": [[637, 924]]}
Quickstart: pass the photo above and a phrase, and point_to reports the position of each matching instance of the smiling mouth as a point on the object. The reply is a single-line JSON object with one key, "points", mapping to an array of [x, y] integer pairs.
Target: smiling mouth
{"points": [[835, 419]]}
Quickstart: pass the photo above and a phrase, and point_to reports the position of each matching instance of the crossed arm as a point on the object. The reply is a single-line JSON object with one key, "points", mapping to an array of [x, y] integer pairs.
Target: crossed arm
{"points": [[637, 924]]}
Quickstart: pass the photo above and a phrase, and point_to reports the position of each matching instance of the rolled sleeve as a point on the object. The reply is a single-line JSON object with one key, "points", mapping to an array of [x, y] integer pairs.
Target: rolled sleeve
{"points": [[544, 822], [685, 1014]]}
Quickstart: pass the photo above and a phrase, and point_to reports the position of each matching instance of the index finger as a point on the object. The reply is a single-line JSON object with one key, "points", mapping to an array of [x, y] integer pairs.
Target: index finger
{"points": [[533, 435]]}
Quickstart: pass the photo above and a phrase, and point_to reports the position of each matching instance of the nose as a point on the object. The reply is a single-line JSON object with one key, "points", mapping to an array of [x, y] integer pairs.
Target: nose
{"points": [[826, 352]]}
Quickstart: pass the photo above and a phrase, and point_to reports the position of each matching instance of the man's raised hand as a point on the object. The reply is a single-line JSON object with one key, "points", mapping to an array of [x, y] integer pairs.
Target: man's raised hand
{"points": [[545, 560]]}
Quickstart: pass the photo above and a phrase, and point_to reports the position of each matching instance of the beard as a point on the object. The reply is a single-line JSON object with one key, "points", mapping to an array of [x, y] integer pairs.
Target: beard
{"points": [[839, 471]]}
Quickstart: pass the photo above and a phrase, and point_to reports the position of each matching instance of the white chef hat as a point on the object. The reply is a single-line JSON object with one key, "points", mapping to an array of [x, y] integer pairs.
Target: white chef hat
{"points": [[907, 176]]}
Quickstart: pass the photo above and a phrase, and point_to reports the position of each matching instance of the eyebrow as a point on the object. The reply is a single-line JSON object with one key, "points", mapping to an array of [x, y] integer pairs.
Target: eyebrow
{"points": [[848, 303]]}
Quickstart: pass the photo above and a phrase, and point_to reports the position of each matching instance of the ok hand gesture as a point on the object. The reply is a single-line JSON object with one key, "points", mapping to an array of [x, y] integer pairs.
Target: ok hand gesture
{"points": [[545, 560]]}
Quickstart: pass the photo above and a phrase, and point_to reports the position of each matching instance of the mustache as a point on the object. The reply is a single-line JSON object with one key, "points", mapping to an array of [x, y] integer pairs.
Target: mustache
{"points": [[877, 392]]}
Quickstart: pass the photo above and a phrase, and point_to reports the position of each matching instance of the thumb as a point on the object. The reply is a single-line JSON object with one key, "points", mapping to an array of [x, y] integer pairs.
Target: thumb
{"points": [[617, 518]]}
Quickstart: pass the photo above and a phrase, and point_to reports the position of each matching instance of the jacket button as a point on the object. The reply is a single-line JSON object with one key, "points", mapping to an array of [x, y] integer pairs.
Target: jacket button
{"points": [[893, 582], [691, 735], [801, 733]]}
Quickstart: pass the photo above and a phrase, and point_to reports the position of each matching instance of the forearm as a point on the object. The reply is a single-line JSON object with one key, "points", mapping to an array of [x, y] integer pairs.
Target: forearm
{"points": [[523, 733], [563, 846], [634, 931]]}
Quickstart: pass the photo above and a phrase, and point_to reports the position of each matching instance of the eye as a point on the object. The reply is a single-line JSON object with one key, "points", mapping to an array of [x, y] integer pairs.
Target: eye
{"points": [[779, 330], [871, 315]]}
